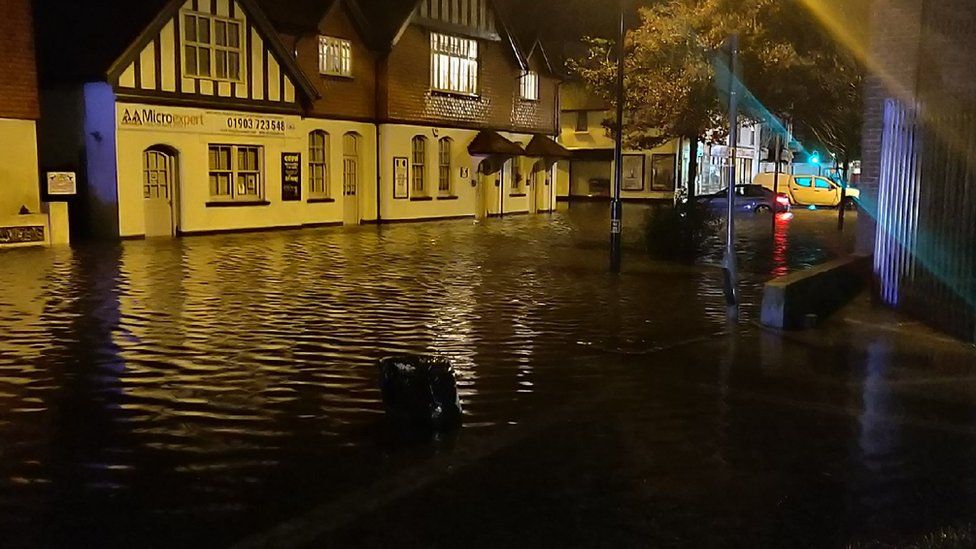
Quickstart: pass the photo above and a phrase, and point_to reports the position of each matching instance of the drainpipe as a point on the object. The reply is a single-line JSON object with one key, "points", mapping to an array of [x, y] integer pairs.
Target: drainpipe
{"points": [[376, 124]]}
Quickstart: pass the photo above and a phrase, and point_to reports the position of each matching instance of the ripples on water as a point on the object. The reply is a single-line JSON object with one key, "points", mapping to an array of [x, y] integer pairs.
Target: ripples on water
{"points": [[149, 383]]}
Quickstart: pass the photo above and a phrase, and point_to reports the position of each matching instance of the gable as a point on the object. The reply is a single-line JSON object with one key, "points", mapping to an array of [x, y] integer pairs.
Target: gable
{"points": [[471, 17], [211, 50]]}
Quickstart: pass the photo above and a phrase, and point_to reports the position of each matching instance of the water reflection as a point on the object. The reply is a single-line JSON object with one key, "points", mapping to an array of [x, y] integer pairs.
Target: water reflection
{"points": [[154, 383]]}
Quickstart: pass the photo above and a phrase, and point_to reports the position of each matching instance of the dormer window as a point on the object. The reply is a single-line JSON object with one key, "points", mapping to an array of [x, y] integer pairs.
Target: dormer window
{"points": [[453, 64], [529, 86], [212, 47], [335, 56]]}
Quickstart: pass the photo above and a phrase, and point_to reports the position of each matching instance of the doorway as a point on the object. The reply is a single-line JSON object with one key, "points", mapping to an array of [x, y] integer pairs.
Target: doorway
{"points": [[160, 173], [350, 179]]}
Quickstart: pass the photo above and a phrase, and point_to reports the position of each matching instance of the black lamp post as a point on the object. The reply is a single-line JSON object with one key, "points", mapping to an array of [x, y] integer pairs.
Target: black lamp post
{"points": [[616, 207]]}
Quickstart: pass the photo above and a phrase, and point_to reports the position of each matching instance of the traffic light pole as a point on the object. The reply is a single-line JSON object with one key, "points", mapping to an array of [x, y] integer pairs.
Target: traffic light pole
{"points": [[779, 159], [616, 207]]}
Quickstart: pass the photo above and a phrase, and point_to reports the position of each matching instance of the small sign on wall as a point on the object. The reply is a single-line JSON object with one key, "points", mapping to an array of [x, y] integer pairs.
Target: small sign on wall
{"points": [[465, 173], [401, 178], [62, 183], [291, 177]]}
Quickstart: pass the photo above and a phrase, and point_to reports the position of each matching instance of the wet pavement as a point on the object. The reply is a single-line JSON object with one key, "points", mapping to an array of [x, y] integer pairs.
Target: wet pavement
{"points": [[220, 389]]}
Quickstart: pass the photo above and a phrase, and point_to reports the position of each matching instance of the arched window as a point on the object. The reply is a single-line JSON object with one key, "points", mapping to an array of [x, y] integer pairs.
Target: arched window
{"points": [[318, 164], [445, 184], [419, 164]]}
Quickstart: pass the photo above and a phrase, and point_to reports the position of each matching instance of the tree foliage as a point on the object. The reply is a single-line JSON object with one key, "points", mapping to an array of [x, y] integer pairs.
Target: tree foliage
{"points": [[675, 74]]}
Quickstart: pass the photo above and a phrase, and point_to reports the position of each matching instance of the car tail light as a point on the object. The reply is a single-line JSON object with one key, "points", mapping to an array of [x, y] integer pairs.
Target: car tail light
{"points": [[783, 200]]}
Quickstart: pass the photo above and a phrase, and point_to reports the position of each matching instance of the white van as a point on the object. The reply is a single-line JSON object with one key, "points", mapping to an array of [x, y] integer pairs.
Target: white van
{"points": [[808, 189]]}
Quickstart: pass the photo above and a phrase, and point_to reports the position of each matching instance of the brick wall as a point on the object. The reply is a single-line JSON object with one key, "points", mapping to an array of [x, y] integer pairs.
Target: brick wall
{"points": [[351, 98], [18, 71], [406, 97], [896, 31]]}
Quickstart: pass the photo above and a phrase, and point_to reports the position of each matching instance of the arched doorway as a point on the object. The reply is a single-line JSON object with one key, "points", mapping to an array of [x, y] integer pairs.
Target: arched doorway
{"points": [[350, 178], [160, 183]]}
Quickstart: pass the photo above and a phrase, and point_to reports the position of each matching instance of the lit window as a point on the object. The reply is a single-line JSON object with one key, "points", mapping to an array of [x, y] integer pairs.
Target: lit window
{"points": [[419, 164], [444, 182], [453, 64], [236, 172], [318, 163], [211, 47], [335, 56], [529, 86]]}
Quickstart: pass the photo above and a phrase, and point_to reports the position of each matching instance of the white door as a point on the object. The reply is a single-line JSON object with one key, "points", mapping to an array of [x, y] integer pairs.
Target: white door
{"points": [[350, 179], [158, 184]]}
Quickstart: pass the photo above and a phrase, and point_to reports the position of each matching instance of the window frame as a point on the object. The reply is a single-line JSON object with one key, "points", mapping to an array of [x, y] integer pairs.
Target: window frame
{"points": [[529, 82], [418, 169], [350, 159], [325, 189], [215, 50], [343, 51], [467, 54], [584, 117], [234, 173], [445, 179]]}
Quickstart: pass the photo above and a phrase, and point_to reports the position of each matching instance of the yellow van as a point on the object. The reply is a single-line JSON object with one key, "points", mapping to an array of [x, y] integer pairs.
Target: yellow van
{"points": [[808, 189]]}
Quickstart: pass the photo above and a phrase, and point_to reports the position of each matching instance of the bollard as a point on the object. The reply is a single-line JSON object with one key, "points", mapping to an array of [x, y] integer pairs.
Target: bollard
{"points": [[420, 391]]}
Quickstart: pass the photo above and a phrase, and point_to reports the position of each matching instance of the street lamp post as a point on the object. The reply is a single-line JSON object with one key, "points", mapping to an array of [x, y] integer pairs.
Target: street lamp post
{"points": [[616, 207], [730, 269]]}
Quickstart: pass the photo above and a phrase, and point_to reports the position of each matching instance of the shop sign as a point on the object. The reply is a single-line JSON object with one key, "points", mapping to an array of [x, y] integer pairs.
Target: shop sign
{"points": [[139, 117], [62, 183], [401, 179], [291, 177]]}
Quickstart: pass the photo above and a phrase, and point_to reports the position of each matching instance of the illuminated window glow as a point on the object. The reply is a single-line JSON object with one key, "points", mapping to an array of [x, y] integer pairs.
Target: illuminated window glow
{"points": [[453, 64], [335, 56]]}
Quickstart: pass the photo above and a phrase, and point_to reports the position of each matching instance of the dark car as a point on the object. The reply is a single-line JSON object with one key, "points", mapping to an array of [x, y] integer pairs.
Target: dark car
{"points": [[748, 198]]}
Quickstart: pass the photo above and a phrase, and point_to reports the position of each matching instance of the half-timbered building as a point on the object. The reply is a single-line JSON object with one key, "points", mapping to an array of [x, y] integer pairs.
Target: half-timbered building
{"points": [[458, 102], [186, 115], [197, 116]]}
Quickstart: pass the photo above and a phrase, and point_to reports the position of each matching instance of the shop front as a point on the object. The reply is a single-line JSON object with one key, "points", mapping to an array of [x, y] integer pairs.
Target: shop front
{"points": [[189, 170]]}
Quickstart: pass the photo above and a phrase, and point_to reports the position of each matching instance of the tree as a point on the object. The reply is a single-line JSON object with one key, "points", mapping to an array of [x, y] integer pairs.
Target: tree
{"points": [[675, 76]]}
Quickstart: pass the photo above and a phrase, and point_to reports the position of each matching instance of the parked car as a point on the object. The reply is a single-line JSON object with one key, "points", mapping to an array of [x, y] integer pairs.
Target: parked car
{"points": [[748, 198], [809, 189]]}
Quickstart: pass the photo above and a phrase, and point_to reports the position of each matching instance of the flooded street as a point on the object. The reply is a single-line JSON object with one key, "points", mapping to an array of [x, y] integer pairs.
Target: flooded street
{"points": [[198, 391]]}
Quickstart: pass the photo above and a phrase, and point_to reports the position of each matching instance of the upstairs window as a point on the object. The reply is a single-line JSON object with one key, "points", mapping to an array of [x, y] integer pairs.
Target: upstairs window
{"points": [[211, 47], [335, 56], [453, 64], [582, 122], [529, 86]]}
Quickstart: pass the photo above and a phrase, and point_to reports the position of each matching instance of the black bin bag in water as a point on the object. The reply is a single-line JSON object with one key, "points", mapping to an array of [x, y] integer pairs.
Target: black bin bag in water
{"points": [[420, 390]]}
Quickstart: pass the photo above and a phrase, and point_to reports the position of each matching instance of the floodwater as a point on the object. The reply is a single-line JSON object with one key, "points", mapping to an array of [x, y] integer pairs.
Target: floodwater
{"points": [[197, 391]]}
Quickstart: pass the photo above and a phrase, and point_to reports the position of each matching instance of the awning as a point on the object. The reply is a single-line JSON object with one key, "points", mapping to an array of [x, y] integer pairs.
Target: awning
{"points": [[544, 147], [488, 143]]}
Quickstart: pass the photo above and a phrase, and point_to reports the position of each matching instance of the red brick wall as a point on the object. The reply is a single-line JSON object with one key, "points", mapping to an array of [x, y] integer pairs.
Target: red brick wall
{"points": [[406, 96], [352, 98], [18, 70]]}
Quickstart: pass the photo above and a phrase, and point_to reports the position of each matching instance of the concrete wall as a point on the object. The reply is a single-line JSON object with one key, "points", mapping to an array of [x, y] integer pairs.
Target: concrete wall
{"points": [[19, 177], [396, 141]]}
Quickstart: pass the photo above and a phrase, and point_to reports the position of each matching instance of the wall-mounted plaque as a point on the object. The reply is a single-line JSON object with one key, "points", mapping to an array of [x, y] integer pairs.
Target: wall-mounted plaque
{"points": [[291, 177], [401, 177], [62, 183]]}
